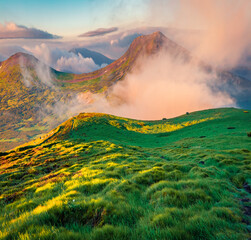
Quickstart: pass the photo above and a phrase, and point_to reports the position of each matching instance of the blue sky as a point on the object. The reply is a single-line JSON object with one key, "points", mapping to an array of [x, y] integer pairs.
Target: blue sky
{"points": [[73, 17]]}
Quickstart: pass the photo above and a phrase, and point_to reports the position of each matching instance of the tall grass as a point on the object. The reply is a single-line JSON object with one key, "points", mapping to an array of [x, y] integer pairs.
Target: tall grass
{"points": [[72, 186]]}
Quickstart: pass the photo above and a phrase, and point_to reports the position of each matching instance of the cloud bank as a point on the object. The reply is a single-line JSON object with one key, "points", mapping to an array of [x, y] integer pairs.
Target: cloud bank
{"points": [[2, 58], [12, 30], [225, 37], [63, 60], [125, 40], [162, 86], [77, 64], [99, 32]]}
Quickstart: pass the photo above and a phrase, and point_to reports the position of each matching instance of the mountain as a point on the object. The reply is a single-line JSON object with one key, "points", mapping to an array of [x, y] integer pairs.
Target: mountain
{"points": [[238, 87], [31, 92], [98, 176], [104, 78], [98, 58], [35, 98], [26, 91]]}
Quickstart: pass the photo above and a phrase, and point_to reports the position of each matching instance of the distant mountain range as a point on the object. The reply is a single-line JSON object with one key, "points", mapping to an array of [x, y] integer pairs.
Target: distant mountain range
{"points": [[29, 88], [98, 58]]}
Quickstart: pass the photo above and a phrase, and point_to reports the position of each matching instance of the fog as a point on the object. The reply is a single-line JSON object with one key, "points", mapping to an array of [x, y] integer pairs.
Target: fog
{"points": [[225, 37], [163, 87]]}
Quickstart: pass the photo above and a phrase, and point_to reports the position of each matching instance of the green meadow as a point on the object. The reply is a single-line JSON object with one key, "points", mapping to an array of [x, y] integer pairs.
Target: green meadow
{"points": [[98, 176]]}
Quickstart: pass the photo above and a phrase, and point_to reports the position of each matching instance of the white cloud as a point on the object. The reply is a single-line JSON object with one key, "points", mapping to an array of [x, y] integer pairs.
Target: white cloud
{"points": [[62, 60], [125, 40], [76, 64], [12, 30], [162, 87], [99, 32]]}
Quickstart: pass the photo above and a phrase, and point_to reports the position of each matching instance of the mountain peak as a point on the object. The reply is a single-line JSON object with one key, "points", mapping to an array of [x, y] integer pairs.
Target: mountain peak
{"points": [[22, 59], [158, 34], [150, 43], [97, 57], [18, 59], [144, 45]]}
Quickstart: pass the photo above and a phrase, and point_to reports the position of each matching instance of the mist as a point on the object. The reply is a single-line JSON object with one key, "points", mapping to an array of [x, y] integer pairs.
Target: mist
{"points": [[162, 87], [62, 60], [166, 87], [225, 38], [42, 71]]}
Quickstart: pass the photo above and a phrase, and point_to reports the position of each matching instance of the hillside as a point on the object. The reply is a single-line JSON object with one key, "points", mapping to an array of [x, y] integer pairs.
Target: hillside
{"points": [[98, 176], [98, 58], [23, 93], [31, 92], [103, 78], [238, 87]]}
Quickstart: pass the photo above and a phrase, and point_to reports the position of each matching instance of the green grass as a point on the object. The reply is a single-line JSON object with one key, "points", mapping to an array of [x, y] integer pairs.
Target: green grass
{"points": [[3, 140], [21, 106], [33, 128], [98, 176], [23, 99], [24, 111]]}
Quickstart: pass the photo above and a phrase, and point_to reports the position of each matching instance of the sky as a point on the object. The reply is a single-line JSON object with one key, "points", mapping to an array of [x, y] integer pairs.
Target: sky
{"points": [[73, 17], [49, 28], [214, 31], [217, 31]]}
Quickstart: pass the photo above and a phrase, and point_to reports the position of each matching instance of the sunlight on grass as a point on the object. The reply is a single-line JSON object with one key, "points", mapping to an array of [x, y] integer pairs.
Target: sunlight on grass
{"points": [[45, 187], [162, 127], [92, 178], [10, 140], [55, 202]]}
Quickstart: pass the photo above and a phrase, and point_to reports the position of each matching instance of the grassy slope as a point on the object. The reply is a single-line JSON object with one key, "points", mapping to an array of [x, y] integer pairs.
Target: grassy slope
{"points": [[100, 80], [103, 177], [27, 112], [21, 106]]}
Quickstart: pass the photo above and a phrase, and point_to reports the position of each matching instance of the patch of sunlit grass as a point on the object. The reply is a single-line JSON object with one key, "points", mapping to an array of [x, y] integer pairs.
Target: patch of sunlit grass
{"points": [[47, 186], [57, 201]]}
